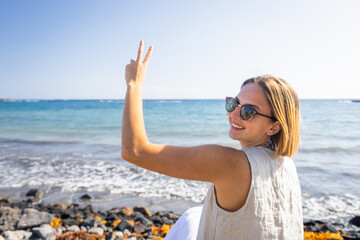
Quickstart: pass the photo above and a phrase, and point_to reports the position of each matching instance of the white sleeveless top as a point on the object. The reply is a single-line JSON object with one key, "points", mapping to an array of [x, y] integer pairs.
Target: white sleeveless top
{"points": [[272, 209]]}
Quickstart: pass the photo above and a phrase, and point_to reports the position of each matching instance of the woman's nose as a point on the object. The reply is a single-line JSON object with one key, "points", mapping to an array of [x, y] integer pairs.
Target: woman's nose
{"points": [[236, 112]]}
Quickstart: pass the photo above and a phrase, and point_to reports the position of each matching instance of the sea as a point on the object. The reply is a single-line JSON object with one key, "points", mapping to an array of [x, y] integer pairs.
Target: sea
{"points": [[68, 148]]}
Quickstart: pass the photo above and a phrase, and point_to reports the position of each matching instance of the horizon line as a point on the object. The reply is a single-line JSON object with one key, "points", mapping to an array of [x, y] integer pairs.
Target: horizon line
{"points": [[4, 99]]}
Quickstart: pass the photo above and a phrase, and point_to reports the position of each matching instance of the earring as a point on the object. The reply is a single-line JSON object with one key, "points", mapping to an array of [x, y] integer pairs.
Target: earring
{"points": [[270, 145]]}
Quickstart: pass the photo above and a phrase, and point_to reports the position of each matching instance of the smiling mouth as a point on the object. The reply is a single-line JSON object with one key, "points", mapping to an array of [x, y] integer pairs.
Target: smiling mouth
{"points": [[237, 126]]}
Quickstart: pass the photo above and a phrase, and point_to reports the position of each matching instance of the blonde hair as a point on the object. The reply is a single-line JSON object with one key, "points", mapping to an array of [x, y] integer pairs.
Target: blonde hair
{"points": [[284, 104]]}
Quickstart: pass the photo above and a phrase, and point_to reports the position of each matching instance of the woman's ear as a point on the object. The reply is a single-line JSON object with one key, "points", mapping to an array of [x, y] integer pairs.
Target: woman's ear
{"points": [[274, 129]]}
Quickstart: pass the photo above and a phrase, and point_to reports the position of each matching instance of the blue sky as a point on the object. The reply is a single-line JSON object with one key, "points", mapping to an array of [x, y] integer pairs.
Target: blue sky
{"points": [[202, 49]]}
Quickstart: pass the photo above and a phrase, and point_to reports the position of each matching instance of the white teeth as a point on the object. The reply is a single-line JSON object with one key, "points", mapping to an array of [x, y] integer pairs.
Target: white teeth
{"points": [[237, 126]]}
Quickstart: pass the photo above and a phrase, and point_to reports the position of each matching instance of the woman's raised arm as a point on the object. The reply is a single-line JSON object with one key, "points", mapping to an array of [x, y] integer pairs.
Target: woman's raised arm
{"points": [[212, 163]]}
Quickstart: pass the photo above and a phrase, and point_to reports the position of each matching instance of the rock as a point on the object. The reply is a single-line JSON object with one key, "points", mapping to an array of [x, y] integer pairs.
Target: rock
{"points": [[10, 235], [89, 211], [167, 221], [313, 226], [69, 222], [96, 230], [143, 210], [111, 217], [27, 235], [125, 211], [127, 232], [73, 228], [58, 231], [61, 205], [138, 214], [91, 223], [355, 221], [32, 217], [19, 234], [74, 206], [124, 224], [36, 193], [119, 234], [157, 220], [114, 211], [45, 232], [109, 236], [86, 197], [143, 220], [6, 200], [8, 218], [328, 228], [139, 228], [87, 223], [172, 216]]}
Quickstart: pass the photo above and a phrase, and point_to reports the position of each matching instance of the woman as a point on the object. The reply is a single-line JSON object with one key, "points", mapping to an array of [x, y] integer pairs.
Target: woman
{"points": [[255, 191]]}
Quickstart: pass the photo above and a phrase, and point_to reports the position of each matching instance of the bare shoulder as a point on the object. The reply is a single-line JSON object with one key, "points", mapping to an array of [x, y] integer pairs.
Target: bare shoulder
{"points": [[210, 163], [233, 186]]}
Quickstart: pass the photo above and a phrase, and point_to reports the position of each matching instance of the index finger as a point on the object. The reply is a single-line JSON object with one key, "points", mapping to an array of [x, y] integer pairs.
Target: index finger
{"points": [[148, 54], [141, 47]]}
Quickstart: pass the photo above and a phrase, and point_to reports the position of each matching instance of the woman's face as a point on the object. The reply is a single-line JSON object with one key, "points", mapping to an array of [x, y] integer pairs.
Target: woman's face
{"points": [[255, 131]]}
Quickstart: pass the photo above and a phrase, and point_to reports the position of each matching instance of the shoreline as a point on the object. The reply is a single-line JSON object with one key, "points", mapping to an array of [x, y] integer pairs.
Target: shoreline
{"points": [[150, 218], [100, 201]]}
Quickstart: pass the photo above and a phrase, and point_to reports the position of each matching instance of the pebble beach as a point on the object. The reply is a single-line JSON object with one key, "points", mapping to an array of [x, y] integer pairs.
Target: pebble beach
{"points": [[29, 219]]}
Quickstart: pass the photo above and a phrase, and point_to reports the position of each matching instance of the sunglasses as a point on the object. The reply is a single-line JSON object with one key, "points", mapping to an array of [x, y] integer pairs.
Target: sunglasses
{"points": [[247, 112]]}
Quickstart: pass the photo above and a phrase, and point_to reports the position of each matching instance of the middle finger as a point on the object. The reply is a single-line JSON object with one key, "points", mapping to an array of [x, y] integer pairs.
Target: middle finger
{"points": [[141, 47]]}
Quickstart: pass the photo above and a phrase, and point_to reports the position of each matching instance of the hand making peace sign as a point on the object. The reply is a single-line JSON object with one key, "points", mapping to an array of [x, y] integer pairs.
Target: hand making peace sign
{"points": [[135, 71]]}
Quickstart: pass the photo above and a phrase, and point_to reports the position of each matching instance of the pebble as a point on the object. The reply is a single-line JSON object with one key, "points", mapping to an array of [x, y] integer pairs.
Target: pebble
{"points": [[355, 221], [144, 221], [143, 210], [118, 234], [44, 232], [96, 230], [86, 197], [127, 232], [27, 235], [36, 193], [8, 218], [73, 228], [125, 224], [19, 234], [10, 235], [139, 228], [32, 217], [125, 211]]}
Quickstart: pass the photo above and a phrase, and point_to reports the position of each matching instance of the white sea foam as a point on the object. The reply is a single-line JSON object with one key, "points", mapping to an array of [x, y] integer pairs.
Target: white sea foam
{"points": [[97, 176], [330, 206]]}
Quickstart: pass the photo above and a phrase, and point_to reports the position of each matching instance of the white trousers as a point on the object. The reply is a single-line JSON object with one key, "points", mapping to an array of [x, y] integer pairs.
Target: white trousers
{"points": [[186, 227]]}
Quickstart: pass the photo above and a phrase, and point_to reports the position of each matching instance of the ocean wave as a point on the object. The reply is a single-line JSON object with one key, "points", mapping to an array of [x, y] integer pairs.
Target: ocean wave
{"points": [[169, 101], [355, 149], [345, 101], [73, 174], [36, 142], [327, 207]]}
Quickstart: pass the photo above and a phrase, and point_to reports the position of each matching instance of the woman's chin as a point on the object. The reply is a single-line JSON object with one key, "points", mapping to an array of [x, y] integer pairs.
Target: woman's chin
{"points": [[233, 136]]}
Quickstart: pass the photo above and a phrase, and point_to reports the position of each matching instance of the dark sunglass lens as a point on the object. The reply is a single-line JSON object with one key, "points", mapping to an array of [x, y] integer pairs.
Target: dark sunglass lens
{"points": [[246, 113], [230, 105]]}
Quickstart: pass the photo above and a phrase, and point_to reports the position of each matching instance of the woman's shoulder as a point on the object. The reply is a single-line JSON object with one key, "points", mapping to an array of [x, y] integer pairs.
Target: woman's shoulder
{"points": [[258, 152]]}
